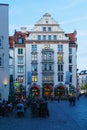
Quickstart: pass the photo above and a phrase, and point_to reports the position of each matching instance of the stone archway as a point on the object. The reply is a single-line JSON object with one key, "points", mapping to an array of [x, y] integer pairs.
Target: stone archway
{"points": [[47, 91], [35, 90], [60, 90]]}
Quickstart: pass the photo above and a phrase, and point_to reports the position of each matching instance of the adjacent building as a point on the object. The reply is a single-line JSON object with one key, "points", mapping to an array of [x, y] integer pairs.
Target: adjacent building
{"points": [[45, 59], [82, 78], [4, 51]]}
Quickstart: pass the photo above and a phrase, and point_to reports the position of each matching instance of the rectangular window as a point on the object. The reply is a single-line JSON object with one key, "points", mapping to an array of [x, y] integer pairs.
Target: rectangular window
{"points": [[70, 59], [20, 60], [47, 78], [70, 68], [60, 48], [70, 78], [34, 78], [34, 47], [54, 37], [60, 67], [39, 37], [50, 56], [1, 41], [44, 56], [60, 77], [20, 51], [34, 67], [50, 67], [45, 67], [60, 58], [20, 79], [20, 40], [34, 57], [49, 37], [49, 29], [1, 60], [44, 29], [44, 37], [20, 69], [70, 50]]}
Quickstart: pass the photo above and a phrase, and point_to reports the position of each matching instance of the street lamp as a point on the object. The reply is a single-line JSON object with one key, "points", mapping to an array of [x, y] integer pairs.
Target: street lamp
{"points": [[5, 83]]}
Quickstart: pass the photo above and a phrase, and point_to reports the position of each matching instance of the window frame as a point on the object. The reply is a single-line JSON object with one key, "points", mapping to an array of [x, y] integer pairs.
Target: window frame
{"points": [[1, 41], [60, 48], [20, 51]]}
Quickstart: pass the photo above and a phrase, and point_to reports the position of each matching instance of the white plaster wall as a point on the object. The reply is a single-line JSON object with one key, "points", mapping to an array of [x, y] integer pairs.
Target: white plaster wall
{"points": [[4, 71]]}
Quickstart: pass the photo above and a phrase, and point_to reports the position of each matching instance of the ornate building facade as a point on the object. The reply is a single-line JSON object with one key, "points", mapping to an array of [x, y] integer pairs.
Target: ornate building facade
{"points": [[45, 58]]}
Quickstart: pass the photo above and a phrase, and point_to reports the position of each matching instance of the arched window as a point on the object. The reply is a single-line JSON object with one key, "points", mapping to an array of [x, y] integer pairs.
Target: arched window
{"points": [[20, 40]]}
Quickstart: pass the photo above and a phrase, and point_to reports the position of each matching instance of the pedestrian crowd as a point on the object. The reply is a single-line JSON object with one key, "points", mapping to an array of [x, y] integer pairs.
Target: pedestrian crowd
{"points": [[38, 106]]}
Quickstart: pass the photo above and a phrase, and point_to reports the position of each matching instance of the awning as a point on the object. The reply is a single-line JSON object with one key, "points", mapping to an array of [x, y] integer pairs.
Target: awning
{"points": [[61, 87], [35, 87]]}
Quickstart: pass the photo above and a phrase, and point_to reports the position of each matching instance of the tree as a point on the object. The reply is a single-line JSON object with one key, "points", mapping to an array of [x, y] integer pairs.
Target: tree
{"points": [[11, 90]]}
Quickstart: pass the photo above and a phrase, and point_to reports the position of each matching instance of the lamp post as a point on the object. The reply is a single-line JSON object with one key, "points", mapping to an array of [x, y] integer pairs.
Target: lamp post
{"points": [[11, 90]]}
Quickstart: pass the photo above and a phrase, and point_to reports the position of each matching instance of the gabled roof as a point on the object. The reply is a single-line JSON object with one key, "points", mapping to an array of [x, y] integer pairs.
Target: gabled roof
{"points": [[72, 37], [11, 41], [14, 39]]}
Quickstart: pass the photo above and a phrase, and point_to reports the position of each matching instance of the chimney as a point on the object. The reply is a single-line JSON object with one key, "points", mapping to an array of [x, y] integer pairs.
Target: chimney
{"points": [[23, 29]]}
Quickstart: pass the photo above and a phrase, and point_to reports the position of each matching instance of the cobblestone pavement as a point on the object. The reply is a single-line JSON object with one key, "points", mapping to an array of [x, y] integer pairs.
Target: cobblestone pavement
{"points": [[62, 117]]}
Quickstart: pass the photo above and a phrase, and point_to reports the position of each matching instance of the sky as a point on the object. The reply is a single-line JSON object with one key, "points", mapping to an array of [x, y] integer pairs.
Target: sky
{"points": [[70, 14]]}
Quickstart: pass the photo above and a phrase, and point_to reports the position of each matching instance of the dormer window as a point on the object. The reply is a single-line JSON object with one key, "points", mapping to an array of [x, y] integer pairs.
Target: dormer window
{"points": [[20, 40]]}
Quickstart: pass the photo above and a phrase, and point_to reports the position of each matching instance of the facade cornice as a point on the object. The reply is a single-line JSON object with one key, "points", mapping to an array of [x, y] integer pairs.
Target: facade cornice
{"points": [[46, 42], [46, 25], [46, 32], [19, 45]]}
